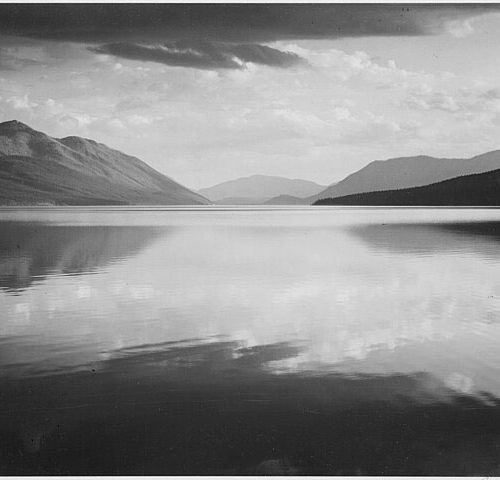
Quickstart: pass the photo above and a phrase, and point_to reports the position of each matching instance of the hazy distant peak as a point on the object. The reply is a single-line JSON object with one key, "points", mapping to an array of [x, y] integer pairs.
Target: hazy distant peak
{"points": [[258, 188], [285, 200], [261, 176]]}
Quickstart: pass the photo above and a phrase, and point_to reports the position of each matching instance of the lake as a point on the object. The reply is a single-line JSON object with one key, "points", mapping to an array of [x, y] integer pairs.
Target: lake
{"points": [[233, 341]]}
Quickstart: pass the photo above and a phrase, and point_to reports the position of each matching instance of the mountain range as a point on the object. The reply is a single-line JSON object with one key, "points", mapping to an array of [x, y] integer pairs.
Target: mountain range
{"points": [[399, 173], [38, 169], [284, 200], [407, 172], [258, 189], [480, 189]]}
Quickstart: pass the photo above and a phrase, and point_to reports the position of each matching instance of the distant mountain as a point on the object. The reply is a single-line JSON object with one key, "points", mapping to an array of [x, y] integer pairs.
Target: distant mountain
{"points": [[406, 172], [259, 188], [38, 169], [285, 200], [481, 189], [239, 201]]}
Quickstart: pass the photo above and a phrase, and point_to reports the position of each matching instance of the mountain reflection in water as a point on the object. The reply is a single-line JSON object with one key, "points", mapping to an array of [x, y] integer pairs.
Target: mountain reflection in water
{"points": [[315, 342], [29, 253], [433, 238]]}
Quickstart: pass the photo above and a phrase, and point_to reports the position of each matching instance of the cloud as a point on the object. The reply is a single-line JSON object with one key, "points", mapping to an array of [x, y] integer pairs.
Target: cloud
{"points": [[226, 36], [446, 98], [203, 55], [459, 28], [21, 103], [9, 61], [229, 22], [47, 114], [359, 66], [424, 98]]}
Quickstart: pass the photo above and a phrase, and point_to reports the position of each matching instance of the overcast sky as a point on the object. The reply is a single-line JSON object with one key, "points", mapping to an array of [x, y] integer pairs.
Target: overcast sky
{"points": [[209, 93]]}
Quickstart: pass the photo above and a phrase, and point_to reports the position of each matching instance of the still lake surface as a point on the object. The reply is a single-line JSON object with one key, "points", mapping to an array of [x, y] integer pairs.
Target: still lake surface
{"points": [[335, 341]]}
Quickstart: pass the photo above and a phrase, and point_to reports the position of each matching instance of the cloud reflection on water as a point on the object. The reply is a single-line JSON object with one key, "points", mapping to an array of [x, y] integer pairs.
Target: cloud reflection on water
{"points": [[212, 407], [285, 343], [350, 310]]}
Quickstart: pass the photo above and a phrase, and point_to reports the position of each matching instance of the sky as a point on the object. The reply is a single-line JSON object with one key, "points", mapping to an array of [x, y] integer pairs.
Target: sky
{"points": [[211, 92]]}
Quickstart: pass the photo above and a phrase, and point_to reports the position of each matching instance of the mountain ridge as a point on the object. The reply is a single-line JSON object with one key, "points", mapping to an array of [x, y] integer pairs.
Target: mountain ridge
{"points": [[284, 200], [478, 189], [258, 188], [408, 172], [36, 168]]}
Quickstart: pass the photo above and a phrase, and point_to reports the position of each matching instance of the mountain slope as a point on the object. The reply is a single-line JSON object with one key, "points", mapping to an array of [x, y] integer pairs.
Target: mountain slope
{"points": [[239, 201], [406, 172], [36, 168], [285, 200], [481, 189], [259, 188]]}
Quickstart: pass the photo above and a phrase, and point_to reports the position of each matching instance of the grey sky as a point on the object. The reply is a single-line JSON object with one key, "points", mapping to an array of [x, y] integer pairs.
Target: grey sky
{"points": [[206, 93]]}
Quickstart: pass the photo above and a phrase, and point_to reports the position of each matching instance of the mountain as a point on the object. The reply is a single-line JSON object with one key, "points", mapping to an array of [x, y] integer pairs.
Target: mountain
{"points": [[256, 189], [480, 189], [285, 200], [406, 172], [239, 201], [38, 169]]}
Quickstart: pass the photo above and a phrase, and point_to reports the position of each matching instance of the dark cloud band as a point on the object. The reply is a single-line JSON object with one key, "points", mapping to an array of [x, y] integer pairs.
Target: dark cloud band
{"points": [[202, 55], [241, 23], [222, 35]]}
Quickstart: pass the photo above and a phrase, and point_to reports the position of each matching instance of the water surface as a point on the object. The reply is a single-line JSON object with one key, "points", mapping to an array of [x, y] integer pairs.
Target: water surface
{"points": [[335, 341]]}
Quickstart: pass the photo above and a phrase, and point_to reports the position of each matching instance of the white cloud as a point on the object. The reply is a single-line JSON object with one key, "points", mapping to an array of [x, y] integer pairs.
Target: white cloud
{"points": [[459, 28], [21, 103], [450, 98], [420, 99], [319, 121], [136, 120], [357, 66]]}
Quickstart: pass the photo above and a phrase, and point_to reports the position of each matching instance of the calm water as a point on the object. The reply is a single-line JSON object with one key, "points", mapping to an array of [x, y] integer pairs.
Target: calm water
{"points": [[335, 341]]}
